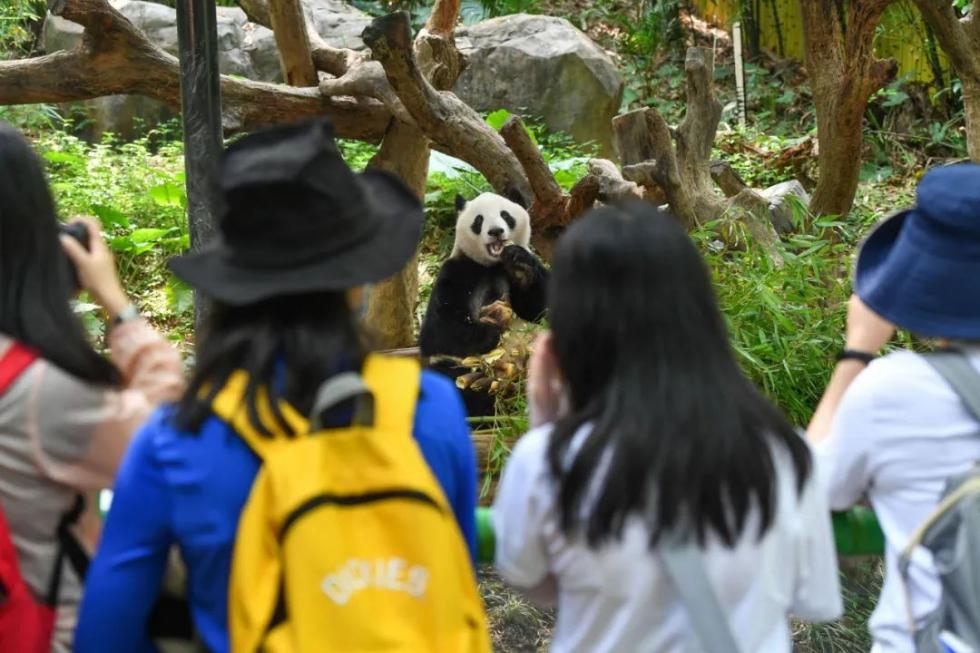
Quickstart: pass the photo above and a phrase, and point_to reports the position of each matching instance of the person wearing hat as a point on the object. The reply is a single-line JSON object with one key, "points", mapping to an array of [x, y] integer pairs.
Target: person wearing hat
{"points": [[891, 429], [300, 233]]}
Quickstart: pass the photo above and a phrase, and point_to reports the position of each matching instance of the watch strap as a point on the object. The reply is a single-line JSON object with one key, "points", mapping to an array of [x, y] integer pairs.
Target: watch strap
{"points": [[856, 355]]}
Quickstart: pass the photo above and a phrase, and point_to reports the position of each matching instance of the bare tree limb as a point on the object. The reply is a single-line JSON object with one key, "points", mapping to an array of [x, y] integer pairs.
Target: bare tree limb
{"points": [[546, 190], [114, 57], [443, 117], [331, 60], [612, 187], [289, 27], [442, 19], [729, 181]]}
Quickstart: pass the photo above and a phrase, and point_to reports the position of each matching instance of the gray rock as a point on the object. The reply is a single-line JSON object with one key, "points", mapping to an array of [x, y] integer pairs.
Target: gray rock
{"points": [[541, 66], [337, 22], [781, 198]]}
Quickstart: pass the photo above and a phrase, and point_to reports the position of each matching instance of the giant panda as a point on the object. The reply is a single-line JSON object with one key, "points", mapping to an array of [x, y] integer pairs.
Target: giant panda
{"points": [[491, 261]]}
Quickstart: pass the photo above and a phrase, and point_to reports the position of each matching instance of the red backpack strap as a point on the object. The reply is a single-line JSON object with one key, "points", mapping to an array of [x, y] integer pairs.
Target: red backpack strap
{"points": [[15, 360]]}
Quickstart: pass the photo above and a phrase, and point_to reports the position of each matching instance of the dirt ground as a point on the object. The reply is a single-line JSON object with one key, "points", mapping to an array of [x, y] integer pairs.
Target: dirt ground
{"points": [[516, 626]]}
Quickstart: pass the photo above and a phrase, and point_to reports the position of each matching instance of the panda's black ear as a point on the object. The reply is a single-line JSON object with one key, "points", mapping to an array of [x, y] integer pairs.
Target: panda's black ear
{"points": [[460, 202], [516, 197]]}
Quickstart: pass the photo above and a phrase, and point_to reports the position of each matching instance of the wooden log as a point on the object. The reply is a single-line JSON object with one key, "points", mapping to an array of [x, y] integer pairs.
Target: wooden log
{"points": [[289, 27], [729, 181]]}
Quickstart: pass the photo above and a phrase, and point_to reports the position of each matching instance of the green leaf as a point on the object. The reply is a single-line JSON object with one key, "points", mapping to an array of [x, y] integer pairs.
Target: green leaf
{"points": [[498, 118], [63, 157], [167, 194], [109, 216], [149, 234], [180, 296]]}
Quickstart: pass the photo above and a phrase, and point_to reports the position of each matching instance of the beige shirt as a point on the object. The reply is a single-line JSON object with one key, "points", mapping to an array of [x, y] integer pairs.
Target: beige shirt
{"points": [[60, 436]]}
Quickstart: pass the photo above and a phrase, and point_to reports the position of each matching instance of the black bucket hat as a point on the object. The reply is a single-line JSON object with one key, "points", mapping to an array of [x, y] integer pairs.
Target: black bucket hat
{"points": [[296, 219]]}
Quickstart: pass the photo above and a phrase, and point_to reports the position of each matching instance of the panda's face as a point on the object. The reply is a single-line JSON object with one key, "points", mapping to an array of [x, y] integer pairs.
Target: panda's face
{"points": [[487, 224]]}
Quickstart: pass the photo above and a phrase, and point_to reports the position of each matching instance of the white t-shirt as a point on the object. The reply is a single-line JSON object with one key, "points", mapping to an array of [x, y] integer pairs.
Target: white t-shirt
{"points": [[618, 598], [899, 434]]}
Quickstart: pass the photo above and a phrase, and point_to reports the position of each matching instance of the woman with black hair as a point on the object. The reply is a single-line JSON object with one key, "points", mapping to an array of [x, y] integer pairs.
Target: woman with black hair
{"points": [[301, 234], [67, 414], [648, 434]]}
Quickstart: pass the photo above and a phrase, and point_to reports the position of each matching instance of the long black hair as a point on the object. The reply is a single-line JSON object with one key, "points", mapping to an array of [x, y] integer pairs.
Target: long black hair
{"points": [[288, 346], [36, 283], [679, 436]]}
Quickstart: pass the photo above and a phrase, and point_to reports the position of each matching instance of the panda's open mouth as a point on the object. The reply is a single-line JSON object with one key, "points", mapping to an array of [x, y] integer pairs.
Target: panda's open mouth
{"points": [[496, 248]]}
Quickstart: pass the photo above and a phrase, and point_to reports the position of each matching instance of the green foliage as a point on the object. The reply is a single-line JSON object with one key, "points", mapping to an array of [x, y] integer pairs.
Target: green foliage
{"points": [[137, 193], [646, 35], [785, 322], [470, 11], [19, 26]]}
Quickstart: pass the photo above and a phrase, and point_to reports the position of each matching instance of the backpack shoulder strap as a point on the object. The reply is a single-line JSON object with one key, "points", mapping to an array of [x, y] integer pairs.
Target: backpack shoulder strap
{"points": [[229, 406], [14, 362], [683, 564], [394, 382], [956, 368]]}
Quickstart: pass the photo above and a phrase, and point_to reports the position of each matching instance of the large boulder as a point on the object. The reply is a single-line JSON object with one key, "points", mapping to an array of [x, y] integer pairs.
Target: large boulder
{"points": [[541, 66]]}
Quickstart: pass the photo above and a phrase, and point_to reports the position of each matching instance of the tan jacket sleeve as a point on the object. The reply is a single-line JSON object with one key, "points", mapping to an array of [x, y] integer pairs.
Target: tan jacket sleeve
{"points": [[79, 432]]}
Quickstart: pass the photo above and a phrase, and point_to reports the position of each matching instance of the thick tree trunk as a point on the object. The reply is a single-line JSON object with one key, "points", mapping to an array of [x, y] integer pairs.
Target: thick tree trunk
{"points": [[960, 40], [843, 74]]}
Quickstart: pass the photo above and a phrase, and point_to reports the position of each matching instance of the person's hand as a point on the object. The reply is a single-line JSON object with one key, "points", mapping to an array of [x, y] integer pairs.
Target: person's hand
{"points": [[866, 330], [96, 268], [545, 388]]}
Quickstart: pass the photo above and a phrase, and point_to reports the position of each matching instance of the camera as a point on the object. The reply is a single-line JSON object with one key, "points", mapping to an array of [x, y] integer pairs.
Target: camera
{"points": [[76, 230], [79, 232]]}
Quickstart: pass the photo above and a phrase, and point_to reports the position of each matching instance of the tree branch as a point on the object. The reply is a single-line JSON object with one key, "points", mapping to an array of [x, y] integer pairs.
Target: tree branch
{"points": [[546, 190], [289, 27], [958, 38], [114, 57], [442, 20], [442, 116]]}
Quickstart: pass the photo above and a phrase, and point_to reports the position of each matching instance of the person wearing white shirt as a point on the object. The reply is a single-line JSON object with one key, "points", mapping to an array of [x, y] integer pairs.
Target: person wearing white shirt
{"points": [[894, 431], [646, 429]]}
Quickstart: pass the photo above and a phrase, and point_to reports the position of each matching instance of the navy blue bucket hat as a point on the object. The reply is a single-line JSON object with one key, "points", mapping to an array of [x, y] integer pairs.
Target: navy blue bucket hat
{"points": [[920, 268]]}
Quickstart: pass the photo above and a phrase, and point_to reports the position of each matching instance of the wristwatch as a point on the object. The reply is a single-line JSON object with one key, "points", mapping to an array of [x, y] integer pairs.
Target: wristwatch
{"points": [[127, 314]]}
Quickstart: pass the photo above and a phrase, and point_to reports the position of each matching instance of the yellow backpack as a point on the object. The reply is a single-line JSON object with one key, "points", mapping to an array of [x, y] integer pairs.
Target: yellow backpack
{"points": [[347, 542]]}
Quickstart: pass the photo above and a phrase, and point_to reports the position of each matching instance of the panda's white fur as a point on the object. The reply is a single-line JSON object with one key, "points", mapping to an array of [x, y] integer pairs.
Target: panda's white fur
{"points": [[490, 212]]}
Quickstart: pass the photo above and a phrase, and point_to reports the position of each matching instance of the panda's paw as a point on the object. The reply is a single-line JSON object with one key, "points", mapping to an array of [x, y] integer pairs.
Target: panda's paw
{"points": [[519, 264], [498, 314]]}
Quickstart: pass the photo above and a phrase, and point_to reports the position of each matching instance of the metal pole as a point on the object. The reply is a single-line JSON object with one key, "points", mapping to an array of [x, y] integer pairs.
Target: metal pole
{"points": [[200, 98]]}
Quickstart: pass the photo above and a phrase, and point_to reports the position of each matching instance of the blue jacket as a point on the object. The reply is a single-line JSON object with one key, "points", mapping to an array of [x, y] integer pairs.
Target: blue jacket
{"points": [[189, 489]]}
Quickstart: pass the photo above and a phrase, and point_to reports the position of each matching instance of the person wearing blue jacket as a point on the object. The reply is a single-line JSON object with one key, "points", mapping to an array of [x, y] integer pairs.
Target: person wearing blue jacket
{"points": [[300, 233]]}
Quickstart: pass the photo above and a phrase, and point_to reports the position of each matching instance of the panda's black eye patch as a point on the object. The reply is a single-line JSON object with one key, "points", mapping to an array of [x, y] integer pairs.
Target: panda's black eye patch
{"points": [[509, 219], [477, 225]]}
